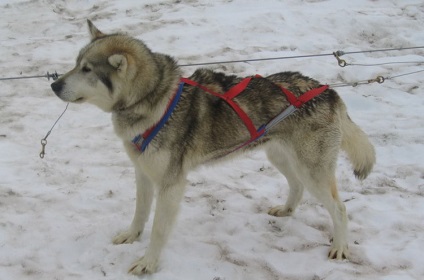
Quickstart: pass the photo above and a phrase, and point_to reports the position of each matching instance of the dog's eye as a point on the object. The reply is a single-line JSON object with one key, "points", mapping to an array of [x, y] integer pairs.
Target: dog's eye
{"points": [[85, 69]]}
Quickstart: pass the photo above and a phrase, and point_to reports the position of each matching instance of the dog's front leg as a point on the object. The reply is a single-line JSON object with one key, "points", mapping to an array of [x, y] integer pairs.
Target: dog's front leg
{"points": [[145, 191], [167, 205]]}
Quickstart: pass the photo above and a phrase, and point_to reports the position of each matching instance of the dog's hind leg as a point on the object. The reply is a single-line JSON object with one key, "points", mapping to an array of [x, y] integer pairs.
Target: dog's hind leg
{"points": [[285, 164], [167, 205], [325, 190], [316, 171], [144, 197]]}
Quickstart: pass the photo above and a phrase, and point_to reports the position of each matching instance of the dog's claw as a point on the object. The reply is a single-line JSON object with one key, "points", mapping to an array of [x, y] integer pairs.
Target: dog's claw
{"points": [[126, 237], [280, 211], [143, 266], [338, 254]]}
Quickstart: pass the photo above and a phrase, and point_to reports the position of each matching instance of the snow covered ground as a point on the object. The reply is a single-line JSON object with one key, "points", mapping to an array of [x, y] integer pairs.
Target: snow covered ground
{"points": [[58, 215]]}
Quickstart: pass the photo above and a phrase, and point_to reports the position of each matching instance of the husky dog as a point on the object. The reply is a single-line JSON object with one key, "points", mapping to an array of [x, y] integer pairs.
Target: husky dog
{"points": [[119, 74]]}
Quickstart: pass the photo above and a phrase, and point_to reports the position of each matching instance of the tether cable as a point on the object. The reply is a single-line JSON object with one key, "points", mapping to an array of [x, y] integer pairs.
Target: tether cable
{"points": [[254, 59], [385, 63], [378, 79], [406, 74], [53, 76], [337, 54], [44, 140]]}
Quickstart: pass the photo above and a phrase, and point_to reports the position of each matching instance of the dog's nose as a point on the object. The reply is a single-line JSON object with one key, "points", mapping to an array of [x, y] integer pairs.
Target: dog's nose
{"points": [[57, 86]]}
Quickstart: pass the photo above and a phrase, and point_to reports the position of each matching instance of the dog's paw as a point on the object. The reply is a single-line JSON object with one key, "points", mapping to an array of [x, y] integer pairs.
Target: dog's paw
{"points": [[280, 211], [338, 253], [143, 266], [126, 237]]}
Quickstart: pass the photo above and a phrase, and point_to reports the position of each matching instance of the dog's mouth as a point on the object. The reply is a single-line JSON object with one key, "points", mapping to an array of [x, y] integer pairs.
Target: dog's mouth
{"points": [[79, 100]]}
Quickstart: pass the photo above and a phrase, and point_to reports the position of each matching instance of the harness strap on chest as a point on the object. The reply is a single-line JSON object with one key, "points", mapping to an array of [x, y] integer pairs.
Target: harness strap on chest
{"points": [[141, 141]]}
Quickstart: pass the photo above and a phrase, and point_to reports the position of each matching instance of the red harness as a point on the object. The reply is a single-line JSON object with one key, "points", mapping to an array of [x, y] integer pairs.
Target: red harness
{"points": [[295, 102], [141, 141]]}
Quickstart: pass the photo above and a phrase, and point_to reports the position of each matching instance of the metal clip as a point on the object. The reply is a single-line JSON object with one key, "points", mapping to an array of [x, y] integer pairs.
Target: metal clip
{"points": [[43, 147], [54, 76], [341, 62], [379, 79]]}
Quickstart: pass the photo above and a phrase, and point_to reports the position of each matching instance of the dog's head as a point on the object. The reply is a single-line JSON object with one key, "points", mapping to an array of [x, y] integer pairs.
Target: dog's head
{"points": [[105, 70]]}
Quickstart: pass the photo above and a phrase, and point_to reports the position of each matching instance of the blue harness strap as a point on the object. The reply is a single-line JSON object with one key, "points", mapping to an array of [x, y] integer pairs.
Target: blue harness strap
{"points": [[141, 141]]}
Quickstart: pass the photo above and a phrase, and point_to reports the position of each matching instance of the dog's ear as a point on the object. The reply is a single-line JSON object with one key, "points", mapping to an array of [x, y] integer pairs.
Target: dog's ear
{"points": [[94, 32], [119, 62]]}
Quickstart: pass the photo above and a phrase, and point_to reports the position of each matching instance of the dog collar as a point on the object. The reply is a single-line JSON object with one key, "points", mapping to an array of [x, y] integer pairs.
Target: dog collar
{"points": [[141, 141]]}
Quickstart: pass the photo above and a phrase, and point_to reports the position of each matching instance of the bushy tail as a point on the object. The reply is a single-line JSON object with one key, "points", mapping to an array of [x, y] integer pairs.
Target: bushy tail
{"points": [[359, 149]]}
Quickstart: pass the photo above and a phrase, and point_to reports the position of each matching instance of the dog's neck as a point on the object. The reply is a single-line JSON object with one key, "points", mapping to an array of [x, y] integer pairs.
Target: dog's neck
{"points": [[138, 117], [146, 108], [142, 140]]}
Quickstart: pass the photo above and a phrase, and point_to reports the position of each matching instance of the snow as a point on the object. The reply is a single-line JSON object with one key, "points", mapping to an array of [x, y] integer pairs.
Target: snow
{"points": [[59, 214]]}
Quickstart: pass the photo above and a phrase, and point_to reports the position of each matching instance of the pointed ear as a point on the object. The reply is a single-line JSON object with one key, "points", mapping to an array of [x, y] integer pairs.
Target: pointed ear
{"points": [[94, 32], [119, 61]]}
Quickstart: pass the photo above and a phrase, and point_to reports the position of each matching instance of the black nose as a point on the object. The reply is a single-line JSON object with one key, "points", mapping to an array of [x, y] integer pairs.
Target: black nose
{"points": [[57, 86]]}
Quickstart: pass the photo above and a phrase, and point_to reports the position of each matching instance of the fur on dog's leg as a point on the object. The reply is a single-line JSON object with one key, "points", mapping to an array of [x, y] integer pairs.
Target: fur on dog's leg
{"points": [[167, 205], [144, 199], [337, 209], [284, 162], [325, 190]]}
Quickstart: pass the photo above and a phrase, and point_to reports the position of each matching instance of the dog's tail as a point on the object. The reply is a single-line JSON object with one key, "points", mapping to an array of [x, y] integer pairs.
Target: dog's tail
{"points": [[359, 149]]}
